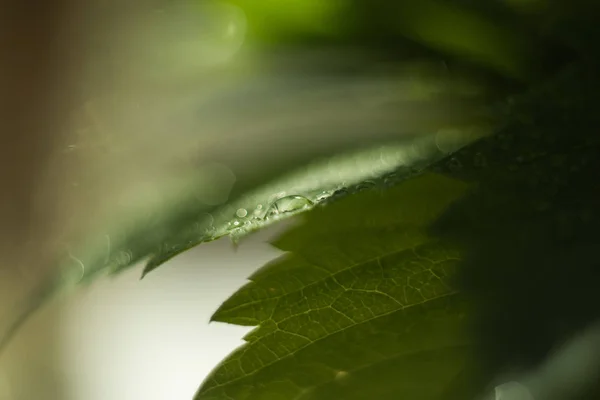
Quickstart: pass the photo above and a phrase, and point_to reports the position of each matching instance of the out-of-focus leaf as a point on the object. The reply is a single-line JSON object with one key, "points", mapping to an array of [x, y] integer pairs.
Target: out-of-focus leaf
{"points": [[409, 109], [412, 113], [530, 229], [363, 289], [450, 28], [319, 182], [273, 21]]}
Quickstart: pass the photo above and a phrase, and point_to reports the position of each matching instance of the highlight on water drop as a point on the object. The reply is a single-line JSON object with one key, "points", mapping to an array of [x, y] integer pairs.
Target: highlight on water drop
{"points": [[288, 204]]}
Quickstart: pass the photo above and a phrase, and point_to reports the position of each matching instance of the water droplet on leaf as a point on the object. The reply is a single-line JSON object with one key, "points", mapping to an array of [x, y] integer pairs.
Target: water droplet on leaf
{"points": [[288, 204], [342, 192], [236, 234], [123, 258], [293, 203], [365, 185], [241, 212], [258, 212], [234, 224], [210, 232]]}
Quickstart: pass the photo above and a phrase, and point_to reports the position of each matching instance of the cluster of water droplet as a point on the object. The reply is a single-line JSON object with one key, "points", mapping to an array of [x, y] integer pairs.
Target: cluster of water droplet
{"points": [[282, 204], [288, 204], [244, 219]]}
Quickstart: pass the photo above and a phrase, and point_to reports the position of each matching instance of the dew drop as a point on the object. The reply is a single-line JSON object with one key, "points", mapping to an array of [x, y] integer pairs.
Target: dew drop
{"points": [[236, 235], [288, 204], [210, 232], [242, 212], [234, 224], [258, 211], [340, 193], [365, 185], [293, 203], [204, 226], [123, 258], [272, 211]]}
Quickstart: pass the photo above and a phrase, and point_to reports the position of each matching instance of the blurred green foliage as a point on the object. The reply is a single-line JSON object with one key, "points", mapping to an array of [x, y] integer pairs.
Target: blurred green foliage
{"points": [[522, 238]]}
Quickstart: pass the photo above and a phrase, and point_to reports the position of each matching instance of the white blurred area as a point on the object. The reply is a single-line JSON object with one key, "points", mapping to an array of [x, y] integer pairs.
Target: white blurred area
{"points": [[123, 339]]}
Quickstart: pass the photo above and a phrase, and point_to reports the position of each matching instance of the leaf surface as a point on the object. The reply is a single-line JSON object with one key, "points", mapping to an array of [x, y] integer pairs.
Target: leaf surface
{"points": [[372, 291], [237, 197]]}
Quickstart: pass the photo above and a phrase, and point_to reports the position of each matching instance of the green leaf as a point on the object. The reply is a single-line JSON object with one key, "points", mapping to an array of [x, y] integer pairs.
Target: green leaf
{"points": [[530, 213], [363, 288], [313, 172], [321, 181], [221, 199], [460, 31], [268, 20]]}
